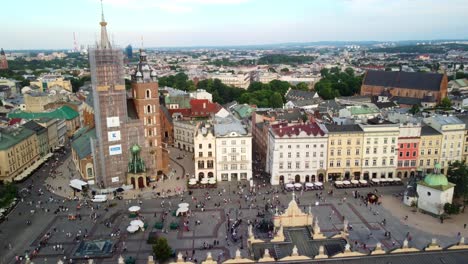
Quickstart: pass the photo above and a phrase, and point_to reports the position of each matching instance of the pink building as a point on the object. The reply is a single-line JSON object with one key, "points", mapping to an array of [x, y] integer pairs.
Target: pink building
{"points": [[408, 149]]}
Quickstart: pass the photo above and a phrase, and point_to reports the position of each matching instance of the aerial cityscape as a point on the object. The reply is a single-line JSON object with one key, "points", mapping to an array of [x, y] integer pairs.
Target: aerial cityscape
{"points": [[234, 131]]}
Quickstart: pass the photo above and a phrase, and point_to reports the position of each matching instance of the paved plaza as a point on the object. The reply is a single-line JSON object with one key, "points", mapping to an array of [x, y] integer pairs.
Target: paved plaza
{"points": [[49, 214]]}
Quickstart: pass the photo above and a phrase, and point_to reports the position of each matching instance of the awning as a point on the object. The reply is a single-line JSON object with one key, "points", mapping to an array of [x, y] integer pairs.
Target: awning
{"points": [[29, 170], [77, 184]]}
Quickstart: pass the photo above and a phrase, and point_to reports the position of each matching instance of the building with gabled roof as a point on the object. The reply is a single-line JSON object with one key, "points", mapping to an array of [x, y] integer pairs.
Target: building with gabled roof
{"points": [[415, 85]]}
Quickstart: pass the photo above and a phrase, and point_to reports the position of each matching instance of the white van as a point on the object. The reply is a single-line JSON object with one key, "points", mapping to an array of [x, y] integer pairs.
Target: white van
{"points": [[100, 198]]}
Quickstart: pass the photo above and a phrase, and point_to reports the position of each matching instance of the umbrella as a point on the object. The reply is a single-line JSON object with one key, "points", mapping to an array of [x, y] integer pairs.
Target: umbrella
{"points": [[134, 209], [363, 181], [337, 182], [309, 184], [120, 189], [383, 180], [375, 180], [298, 185], [354, 181], [182, 210], [192, 182], [289, 185], [346, 182], [397, 179], [132, 229], [318, 183], [183, 205], [137, 223], [204, 181], [390, 179], [212, 181]]}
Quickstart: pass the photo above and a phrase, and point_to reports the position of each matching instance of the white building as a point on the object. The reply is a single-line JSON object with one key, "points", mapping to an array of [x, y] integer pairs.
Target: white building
{"points": [[453, 134], [434, 192], [241, 80], [184, 131], [205, 151], [296, 153], [379, 153], [201, 94], [233, 149]]}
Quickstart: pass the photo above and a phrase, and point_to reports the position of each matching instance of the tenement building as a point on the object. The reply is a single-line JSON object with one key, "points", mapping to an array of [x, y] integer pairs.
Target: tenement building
{"points": [[297, 153], [205, 151], [19, 150], [380, 143], [453, 134], [429, 148], [408, 149], [344, 152], [404, 85], [233, 149]]}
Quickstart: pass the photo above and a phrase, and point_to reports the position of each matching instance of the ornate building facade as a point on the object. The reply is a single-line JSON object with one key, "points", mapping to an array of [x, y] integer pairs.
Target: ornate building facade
{"points": [[146, 100]]}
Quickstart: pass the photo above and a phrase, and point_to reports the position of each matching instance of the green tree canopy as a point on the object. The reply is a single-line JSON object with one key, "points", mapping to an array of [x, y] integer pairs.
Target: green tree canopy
{"points": [[445, 103], [338, 83], [457, 173], [161, 249], [276, 100]]}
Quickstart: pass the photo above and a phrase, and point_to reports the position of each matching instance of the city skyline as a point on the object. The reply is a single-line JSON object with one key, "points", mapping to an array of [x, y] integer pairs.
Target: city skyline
{"points": [[50, 24]]}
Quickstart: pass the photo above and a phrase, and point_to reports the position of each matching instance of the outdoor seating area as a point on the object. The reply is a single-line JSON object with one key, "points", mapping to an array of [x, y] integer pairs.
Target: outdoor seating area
{"points": [[365, 183], [194, 183], [307, 186]]}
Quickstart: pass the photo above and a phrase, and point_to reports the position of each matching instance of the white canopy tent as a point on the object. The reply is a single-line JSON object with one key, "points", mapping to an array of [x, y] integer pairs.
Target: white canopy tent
{"points": [[78, 184]]}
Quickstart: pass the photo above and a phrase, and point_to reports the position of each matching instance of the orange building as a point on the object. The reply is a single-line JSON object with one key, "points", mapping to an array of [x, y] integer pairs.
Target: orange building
{"points": [[3, 60]]}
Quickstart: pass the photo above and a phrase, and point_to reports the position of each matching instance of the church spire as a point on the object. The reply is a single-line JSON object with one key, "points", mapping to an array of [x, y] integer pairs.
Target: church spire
{"points": [[105, 44]]}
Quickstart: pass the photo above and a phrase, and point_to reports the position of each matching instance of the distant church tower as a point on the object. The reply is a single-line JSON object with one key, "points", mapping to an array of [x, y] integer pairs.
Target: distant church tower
{"points": [[3, 60], [146, 99]]}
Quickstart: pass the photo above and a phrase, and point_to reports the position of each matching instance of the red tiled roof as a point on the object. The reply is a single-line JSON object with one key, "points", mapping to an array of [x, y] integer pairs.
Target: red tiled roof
{"points": [[183, 112], [283, 129], [203, 107], [14, 121]]}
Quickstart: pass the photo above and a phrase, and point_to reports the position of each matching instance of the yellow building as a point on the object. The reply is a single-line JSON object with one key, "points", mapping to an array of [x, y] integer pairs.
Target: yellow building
{"points": [[48, 81], [344, 152], [464, 119], [429, 148], [19, 150]]}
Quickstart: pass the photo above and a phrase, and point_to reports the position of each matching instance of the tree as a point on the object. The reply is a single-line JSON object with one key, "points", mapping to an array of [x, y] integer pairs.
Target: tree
{"points": [[445, 103], [457, 174], [285, 70], [415, 109], [276, 100], [162, 250], [302, 86]]}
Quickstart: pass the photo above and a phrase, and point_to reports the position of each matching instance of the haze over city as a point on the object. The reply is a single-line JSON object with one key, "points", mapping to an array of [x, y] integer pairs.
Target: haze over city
{"points": [[49, 24]]}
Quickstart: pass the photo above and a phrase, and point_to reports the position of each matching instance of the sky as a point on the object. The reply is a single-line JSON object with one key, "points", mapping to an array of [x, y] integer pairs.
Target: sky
{"points": [[50, 24]]}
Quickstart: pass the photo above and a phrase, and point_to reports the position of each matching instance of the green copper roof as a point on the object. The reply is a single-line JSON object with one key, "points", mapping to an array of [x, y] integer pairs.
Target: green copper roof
{"points": [[82, 144], [64, 112], [11, 137], [436, 180]]}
